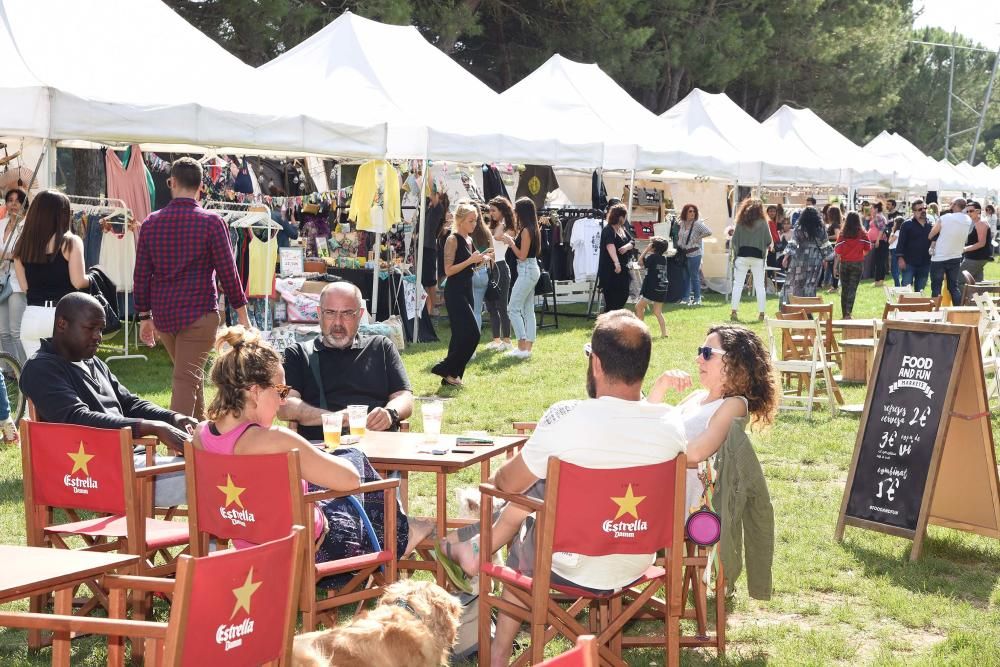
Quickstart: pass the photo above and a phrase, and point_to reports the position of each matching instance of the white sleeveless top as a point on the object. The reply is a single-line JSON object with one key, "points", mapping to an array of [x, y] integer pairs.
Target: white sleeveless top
{"points": [[696, 417]]}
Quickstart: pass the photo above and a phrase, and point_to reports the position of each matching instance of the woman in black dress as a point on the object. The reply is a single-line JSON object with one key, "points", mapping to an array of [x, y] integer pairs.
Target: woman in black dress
{"points": [[612, 272], [459, 260]]}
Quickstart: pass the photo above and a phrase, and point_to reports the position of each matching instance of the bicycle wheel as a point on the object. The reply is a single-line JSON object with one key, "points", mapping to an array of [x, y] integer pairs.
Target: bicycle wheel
{"points": [[11, 370]]}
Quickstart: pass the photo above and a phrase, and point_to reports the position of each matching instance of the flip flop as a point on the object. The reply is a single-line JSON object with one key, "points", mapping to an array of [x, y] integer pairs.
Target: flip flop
{"points": [[452, 570]]}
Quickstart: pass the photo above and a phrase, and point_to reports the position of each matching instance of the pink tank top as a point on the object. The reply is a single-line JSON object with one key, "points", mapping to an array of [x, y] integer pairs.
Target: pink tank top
{"points": [[129, 183], [225, 443]]}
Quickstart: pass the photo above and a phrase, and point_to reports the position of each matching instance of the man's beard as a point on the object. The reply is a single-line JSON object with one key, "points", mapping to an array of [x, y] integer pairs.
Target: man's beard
{"points": [[591, 382], [336, 341]]}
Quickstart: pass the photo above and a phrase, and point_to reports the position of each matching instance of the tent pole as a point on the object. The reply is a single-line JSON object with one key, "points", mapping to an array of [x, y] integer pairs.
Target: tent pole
{"points": [[631, 194], [424, 184]]}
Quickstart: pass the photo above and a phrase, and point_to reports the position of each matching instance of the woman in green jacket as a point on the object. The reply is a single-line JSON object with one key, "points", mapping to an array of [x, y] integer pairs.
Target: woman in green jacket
{"points": [[748, 249]]}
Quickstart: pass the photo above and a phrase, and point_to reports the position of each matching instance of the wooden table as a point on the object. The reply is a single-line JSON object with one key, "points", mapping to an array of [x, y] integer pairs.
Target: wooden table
{"points": [[850, 329], [859, 357], [29, 571], [398, 452], [962, 315]]}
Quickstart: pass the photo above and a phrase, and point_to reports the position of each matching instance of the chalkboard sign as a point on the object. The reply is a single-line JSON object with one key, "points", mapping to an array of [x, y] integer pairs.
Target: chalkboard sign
{"points": [[908, 399], [924, 451]]}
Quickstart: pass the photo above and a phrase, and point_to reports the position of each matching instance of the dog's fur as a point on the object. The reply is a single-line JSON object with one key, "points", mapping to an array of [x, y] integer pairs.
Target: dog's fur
{"points": [[388, 634]]}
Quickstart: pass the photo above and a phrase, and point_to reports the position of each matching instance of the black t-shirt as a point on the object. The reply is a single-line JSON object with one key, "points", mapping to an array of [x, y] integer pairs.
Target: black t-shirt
{"points": [[655, 284], [535, 182], [366, 373]]}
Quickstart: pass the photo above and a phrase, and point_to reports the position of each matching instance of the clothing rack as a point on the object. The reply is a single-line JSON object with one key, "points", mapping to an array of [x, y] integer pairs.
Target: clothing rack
{"points": [[575, 213], [249, 215], [110, 208]]}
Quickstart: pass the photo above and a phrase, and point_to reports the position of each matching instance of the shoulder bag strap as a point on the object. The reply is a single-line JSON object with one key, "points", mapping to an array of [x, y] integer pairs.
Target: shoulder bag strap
{"points": [[310, 349]]}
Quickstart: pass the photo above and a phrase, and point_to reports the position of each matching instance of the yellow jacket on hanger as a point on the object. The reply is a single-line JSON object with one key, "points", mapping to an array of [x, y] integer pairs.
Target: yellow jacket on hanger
{"points": [[375, 199]]}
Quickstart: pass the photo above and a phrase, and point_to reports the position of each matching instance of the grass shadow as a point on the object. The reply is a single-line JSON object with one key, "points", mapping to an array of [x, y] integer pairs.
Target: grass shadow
{"points": [[946, 568]]}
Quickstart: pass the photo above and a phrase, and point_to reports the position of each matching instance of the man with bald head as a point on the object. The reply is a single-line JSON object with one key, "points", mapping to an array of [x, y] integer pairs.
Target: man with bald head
{"points": [[69, 385], [337, 369], [615, 428]]}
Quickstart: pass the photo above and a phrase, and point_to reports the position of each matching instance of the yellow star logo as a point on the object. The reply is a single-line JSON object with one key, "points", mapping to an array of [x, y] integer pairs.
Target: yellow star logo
{"points": [[232, 492], [244, 593], [629, 504], [80, 460]]}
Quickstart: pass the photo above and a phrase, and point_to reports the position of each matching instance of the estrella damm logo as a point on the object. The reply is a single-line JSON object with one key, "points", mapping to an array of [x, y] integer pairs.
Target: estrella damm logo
{"points": [[231, 636], [81, 459], [627, 505], [233, 493]]}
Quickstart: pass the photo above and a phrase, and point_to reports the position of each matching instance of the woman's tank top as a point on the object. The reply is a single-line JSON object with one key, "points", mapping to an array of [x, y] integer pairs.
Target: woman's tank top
{"points": [[985, 251], [225, 443], [49, 280], [462, 279]]}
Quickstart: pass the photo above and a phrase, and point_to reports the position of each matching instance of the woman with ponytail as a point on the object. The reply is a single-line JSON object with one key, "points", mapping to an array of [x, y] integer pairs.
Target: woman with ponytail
{"points": [[250, 380]]}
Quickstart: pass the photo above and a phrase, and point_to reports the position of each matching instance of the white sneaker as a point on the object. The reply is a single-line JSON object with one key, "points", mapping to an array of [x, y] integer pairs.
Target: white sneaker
{"points": [[519, 354], [494, 345], [506, 347]]}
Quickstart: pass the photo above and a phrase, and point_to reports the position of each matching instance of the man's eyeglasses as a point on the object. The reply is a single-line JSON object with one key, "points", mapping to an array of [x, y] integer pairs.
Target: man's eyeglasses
{"points": [[282, 389], [922, 209], [707, 352], [333, 314]]}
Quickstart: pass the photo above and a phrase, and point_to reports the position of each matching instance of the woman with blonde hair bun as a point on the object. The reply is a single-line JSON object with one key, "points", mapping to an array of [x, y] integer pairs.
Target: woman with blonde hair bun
{"points": [[250, 382]]}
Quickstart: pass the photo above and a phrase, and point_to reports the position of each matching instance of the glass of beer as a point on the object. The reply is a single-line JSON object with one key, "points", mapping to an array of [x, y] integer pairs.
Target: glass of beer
{"points": [[357, 415], [432, 411], [333, 424]]}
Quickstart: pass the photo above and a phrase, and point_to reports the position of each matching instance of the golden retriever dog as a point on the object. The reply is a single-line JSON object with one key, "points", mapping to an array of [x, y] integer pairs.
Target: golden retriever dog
{"points": [[414, 624]]}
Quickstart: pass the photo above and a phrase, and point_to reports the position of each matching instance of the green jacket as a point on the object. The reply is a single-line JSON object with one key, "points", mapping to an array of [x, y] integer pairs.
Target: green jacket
{"points": [[758, 236], [744, 504]]}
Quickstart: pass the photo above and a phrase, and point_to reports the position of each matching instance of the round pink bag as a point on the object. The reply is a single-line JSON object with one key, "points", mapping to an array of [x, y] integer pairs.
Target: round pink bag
{"points": [[703, 527]]}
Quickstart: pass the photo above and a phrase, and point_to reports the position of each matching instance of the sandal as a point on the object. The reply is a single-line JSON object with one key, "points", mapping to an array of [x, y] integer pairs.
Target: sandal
{"points": [[445, 382], [455, 574]]}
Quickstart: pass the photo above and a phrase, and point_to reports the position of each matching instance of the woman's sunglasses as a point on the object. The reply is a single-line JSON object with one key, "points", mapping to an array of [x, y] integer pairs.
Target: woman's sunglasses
{"points": [[282, 389], [707, 352]]}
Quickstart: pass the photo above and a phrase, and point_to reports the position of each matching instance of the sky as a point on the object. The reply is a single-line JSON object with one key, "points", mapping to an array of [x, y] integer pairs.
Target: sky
{"points": [[977, 19]]}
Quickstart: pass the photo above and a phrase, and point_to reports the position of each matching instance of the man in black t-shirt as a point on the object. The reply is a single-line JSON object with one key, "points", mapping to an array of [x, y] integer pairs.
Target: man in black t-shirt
{"points": [[350, 372]]}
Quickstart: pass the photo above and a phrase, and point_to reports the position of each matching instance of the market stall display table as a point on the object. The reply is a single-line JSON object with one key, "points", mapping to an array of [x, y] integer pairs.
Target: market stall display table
{"points": [[29, 571], [406, 452], [859, 356]]}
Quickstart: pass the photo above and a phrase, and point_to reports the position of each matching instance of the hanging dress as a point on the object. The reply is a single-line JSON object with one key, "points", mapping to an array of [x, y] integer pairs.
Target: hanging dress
{"points": [[128, 183], [263, 258]]}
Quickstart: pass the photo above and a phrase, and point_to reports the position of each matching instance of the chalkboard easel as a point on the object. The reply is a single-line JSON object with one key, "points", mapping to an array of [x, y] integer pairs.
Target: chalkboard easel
{"points": [[924, 451]]}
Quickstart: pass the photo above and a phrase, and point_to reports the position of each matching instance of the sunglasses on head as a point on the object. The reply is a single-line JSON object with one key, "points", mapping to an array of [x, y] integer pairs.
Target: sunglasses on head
{"points": [[707, 352]]}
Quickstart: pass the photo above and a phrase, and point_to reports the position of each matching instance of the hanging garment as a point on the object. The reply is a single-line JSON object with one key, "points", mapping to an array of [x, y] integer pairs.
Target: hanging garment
{"points": [[243, 182], [150, 184], [598, 193], [493, 185], [263, 258], [93, 238], [118, 257], [375, 201], [128, 183], [586, 244], [535, 182]]}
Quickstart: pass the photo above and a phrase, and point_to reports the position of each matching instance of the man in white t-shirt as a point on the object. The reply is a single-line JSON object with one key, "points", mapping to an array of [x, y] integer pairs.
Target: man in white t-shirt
{"points": [[615, 428], [949, 233]]}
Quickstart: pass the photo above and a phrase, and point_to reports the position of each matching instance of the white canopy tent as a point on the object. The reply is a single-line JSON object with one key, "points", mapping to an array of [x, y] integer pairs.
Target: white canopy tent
{"points": [[726, 132], [836, 153], [127, 88]]}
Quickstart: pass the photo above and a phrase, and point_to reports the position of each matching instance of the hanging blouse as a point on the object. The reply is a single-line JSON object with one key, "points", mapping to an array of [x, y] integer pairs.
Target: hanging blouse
{"points": [[375, 199], [118, 257], [263, 258], [128, 183]]}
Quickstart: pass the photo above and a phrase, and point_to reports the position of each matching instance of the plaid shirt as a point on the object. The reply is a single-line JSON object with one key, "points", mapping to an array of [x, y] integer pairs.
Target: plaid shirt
{"points": [[181, 249]]}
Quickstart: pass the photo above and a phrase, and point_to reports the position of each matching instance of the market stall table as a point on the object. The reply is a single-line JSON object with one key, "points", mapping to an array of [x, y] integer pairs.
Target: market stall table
{"points": [[859, 357], [29, 571], [408, 452], [854, 328]]}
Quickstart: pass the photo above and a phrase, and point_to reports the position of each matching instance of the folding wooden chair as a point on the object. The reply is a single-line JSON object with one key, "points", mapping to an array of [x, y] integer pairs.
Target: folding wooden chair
{"points": [[989, 344], [924, 305], [252, 498], [892, 292], [824, 313], [810, 360], [970, 289], [78, 468], [584, 654], [234, 608], [596, 512], [805, 300], [919, 298]]}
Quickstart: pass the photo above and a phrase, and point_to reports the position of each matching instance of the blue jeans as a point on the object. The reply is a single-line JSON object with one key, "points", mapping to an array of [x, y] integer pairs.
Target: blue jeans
{"points": [[915, 276], [480, 281], [894, 266], [4, 402], [694, 278], [521, 308], [950, 268]]}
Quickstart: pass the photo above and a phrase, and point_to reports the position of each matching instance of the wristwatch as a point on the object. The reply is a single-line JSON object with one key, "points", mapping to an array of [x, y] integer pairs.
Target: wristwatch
{"points": [[142, 317], [395, 419]]}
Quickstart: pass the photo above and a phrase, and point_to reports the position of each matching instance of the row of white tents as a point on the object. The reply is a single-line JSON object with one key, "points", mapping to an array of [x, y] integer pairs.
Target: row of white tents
{"points": [[117, 71]]}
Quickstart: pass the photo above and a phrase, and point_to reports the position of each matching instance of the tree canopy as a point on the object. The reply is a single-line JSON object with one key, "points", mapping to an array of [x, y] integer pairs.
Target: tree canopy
{"points": [[853, 62]]}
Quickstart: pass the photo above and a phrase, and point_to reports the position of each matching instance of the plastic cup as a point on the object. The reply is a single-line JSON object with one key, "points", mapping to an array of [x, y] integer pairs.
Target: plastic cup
{"points": [[333, 425], [432, 411], [357, 415]]}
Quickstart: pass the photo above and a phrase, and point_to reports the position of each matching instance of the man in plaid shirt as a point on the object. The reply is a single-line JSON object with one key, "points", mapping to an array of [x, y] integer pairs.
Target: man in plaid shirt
{"points": [[181, 250]]}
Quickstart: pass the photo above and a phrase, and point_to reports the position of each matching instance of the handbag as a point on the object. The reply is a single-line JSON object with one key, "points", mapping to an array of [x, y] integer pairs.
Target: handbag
{"points": [[704, 526], [680, 256], [493, 283], [544, 285]]}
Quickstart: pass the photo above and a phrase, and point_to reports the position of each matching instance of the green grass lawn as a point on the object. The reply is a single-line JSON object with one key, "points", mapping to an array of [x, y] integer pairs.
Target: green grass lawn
{"points": [[852, 603]]}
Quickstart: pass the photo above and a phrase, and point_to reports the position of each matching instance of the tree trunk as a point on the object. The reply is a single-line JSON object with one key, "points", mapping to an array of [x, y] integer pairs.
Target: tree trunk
{"points": [[87, 175]]}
